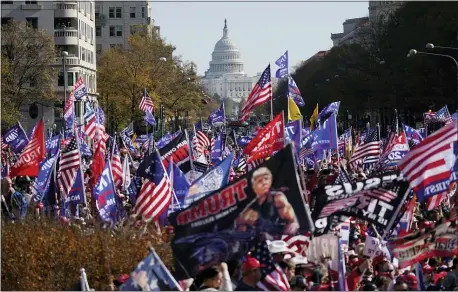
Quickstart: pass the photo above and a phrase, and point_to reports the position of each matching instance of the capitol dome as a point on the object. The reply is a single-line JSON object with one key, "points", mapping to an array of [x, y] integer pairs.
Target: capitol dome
{"points": [[226, 57]]}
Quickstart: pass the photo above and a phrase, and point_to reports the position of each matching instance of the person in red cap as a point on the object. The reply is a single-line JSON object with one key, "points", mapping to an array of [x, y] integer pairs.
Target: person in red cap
{"points": [[251, 275]]}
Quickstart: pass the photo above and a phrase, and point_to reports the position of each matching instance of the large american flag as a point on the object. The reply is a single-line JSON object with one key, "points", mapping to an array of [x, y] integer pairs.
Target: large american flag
{"points": [[156, 193], [202, 142], [146, 103], [426, 163], [370, 148], [273, 278], [116, 166], [260, 94], [68, 166]]}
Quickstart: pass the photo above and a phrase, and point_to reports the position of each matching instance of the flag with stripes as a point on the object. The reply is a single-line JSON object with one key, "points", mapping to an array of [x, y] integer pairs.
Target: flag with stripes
{"points": [[371, 147], [156, 193], [89, 122], [273, 277], [427, 167], [202, 142], [146, 104], [68, 108], [116, 166], [68, 166], [260, 94], [28, 163]]}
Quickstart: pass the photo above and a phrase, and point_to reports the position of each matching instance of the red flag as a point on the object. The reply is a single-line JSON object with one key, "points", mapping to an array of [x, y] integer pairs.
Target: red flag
{"points": [[29, 161], [98, 164], [269, 139]]}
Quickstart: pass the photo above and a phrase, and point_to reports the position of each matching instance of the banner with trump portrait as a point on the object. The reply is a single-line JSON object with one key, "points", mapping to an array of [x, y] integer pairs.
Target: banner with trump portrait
{"points": [[266, 202]]}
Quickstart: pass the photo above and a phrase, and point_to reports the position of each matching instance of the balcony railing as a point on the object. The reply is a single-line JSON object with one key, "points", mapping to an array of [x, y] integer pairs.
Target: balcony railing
{"points": [[65, 33], [65, 6], [69, 60]]}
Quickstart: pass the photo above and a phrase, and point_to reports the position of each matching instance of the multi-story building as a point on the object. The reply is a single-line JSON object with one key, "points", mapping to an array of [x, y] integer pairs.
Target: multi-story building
{"points": [[351, 29], [117, 20], [225, 77], [72, 24]]}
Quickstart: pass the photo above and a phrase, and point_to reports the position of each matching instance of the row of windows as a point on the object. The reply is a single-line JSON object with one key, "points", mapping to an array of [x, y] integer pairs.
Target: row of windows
{"points": [[116, 30], [87, 55], [72, 77], [86, 30], [26, 2], [116, 12]]}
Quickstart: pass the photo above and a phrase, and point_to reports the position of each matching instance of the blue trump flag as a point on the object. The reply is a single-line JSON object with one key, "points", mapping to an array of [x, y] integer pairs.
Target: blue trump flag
{"points": [[149, 118], [52, 145], [325, 136], [333, 107], [151, 275], [282, 63], [16, 138], [217, 149], [293, 133], [412, 134], [214, 179], [294, 93], [104, 194], [77, 192], [41, 185], [217, 116]]}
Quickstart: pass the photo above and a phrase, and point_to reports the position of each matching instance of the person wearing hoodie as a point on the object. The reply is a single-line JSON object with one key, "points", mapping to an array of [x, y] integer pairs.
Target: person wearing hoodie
{"points": [[216, 279]]}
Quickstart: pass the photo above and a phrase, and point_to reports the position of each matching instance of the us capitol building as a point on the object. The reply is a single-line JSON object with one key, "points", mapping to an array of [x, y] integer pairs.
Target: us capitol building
{"points": [[225, 76]]}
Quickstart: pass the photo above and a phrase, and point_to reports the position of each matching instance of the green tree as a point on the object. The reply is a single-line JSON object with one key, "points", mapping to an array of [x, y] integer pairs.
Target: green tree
{"points": [[27, 72]]}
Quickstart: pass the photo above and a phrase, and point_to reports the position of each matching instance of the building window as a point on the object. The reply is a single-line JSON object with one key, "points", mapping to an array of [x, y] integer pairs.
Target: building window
{"points": [[97, 10], [132, 12], [69, 78], [5, 20], [112, 31], [32, 21], [118, 12], [98, 31], [7, 2], [119, 30], [60, 79], [30, 2], [143, 12], [98, 48], [111, 12], [92, 58], [83, 54]]}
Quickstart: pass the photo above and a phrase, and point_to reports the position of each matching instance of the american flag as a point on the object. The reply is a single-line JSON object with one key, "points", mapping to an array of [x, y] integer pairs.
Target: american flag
{"points": [[146, 103], [298, 243], [116, 166], [304, 152], [260, 94], [371, 146], [202, 141], [68, 166], [90, 122], [337, 205], [435, 201], [426, 163], [273, 278], [342, 176], [156, 193]]}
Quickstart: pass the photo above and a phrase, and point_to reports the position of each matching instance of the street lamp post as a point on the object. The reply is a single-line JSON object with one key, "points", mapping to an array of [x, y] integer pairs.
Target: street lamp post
{"points": [[413, 52]]}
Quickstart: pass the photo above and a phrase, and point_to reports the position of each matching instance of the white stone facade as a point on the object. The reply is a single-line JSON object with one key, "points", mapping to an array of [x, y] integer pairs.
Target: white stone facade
{"points": [[72, 24], [117, 20], [225, 75]]}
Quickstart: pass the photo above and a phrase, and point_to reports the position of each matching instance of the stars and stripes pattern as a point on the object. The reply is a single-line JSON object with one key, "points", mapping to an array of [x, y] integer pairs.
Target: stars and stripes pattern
{"points": [[146, 103], [156, 193], [443, 115], [260, 94], [304, 152], [116, 166], [426, 163], [435, 201], [273, 278], [393, 133], [68, 166], [90, 122], [371, 147], [202, 141], [298, 243]]}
